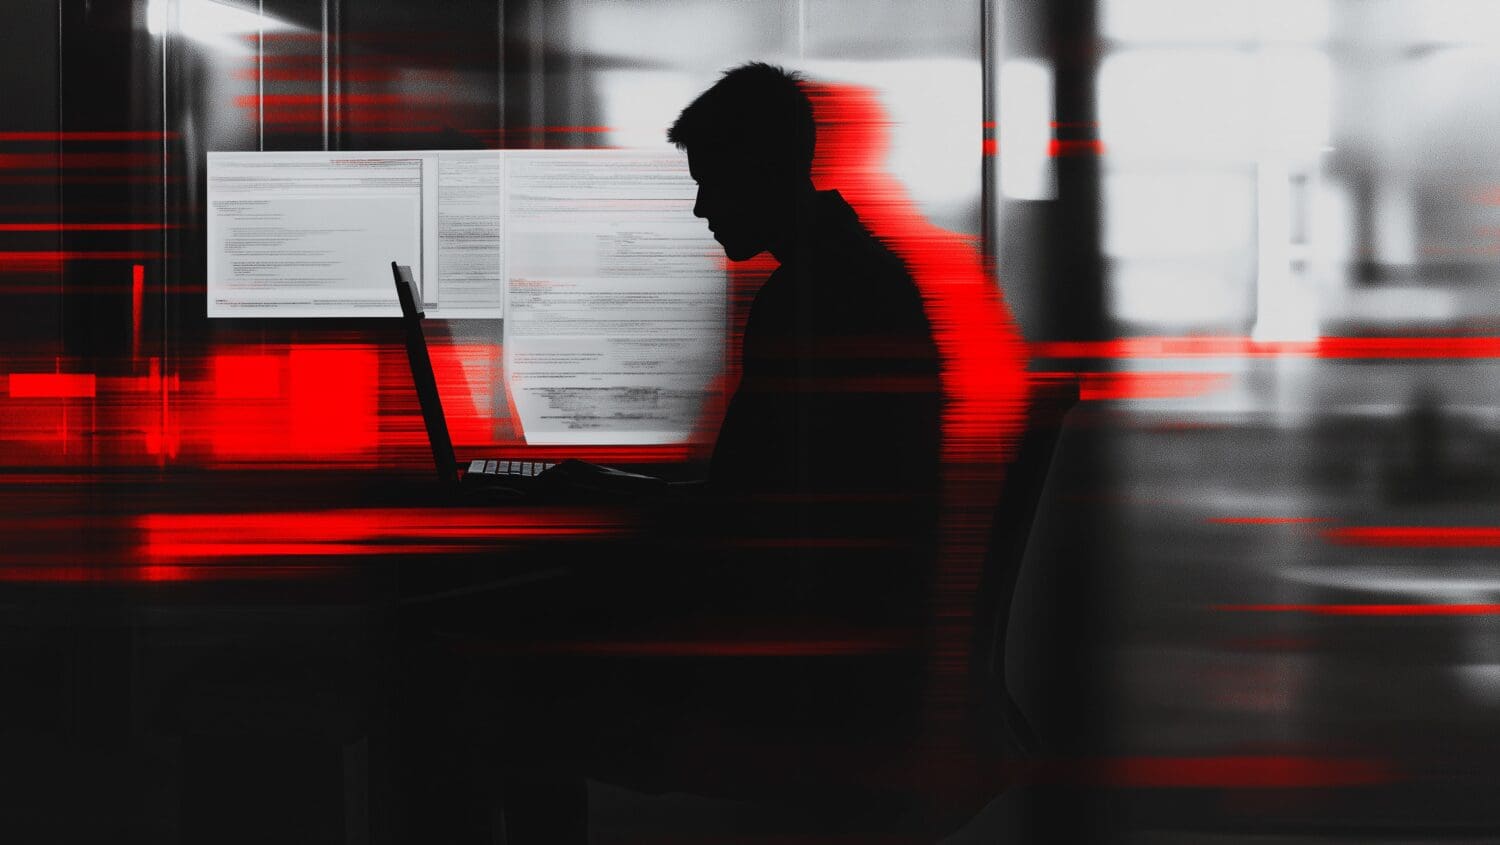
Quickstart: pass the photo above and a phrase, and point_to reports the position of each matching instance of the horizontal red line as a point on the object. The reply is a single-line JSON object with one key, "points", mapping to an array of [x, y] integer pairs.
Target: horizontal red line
{"points": [[1267, 520], [270, 100], [160, 574], [185, 551], [85, 227], [1149, 385], [1243, 347], [77, 161], [87, 177], [1366, 609], [1416, 536], [522, 130], [78, 255], [1060, 149], [86, 136]]}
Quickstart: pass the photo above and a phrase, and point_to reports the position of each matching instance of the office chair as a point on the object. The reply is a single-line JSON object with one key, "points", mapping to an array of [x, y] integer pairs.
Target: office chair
{"points": [[1010, 533]]}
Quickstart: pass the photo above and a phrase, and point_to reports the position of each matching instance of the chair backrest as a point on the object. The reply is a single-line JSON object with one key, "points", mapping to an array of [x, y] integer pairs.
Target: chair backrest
{"points": [[999, 718]]}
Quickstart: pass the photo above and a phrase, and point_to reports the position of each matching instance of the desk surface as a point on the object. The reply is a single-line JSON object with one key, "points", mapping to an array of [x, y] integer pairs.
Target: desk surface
{"points": [[357, 537]]}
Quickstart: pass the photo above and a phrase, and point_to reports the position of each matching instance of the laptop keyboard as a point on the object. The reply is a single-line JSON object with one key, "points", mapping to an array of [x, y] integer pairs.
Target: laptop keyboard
{"points": [[508, 469]]}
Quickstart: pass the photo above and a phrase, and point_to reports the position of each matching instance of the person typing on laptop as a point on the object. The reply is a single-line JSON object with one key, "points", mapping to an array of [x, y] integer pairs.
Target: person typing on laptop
{"points": [[840, 386], [820, 505]]}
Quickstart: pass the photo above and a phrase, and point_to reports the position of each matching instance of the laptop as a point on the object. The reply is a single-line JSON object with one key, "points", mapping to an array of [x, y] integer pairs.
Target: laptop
{"points": [[488, 473]]}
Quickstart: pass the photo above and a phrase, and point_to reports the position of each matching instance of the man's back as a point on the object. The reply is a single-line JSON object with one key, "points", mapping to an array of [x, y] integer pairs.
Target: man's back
{"points": [[840, 389], [829, 451]]}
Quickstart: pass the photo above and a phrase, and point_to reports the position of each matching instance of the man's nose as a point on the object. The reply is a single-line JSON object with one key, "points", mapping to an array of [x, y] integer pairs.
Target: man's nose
{"points": [[700, 208]]}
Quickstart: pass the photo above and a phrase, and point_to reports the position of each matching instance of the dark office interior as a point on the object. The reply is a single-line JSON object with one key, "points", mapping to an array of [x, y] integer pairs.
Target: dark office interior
{"points": [[1214, 289]]}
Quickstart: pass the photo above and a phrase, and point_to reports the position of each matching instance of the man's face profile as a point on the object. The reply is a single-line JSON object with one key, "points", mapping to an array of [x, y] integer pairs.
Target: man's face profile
{"points": [[736, 198]]}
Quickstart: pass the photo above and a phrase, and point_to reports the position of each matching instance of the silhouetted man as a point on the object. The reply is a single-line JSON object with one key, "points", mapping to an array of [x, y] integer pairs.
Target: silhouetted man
{"points": [[839, 390], [819, 514], [832, 437]]}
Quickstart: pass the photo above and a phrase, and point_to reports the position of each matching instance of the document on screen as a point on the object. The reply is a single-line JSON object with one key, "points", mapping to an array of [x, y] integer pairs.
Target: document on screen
{"points": [[470, 279], [615, 301], [314, 234]]}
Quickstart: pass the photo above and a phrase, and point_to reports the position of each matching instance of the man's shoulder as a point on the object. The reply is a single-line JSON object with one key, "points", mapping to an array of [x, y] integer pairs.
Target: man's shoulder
{"points": [[851, 251], [860, 270]]}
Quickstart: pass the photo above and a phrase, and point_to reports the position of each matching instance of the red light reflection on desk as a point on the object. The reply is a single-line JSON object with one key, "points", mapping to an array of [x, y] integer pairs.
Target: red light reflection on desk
{"points": [[182, 538]]}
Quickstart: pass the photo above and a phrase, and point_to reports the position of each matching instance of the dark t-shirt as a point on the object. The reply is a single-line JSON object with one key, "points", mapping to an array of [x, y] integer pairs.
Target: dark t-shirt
{"points": [[840, 388], [827, 461]]}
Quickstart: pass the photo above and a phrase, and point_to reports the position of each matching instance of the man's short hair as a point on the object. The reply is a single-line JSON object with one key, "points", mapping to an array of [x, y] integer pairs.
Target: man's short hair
{"points": [[755, 110]]}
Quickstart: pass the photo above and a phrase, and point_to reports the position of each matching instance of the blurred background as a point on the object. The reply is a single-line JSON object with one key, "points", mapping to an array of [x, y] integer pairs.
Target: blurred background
{"points": [[1264, 235]]}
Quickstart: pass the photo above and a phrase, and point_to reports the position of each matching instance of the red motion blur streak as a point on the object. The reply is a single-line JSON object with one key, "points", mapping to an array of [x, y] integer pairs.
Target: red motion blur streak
{"points": [[1060, 149], [76, 161], [1267, 520], [1416, 536], [85, 136], [984, 361], [85, 227], [1366, 609], [179, 538], [53, 261], [48, 574], [984, 378], [137, 303], [1243, 347], [1148, 385]]}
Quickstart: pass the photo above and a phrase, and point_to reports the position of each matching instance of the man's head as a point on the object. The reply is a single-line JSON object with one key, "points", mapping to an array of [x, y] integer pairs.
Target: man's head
{"points": [[749, 141]]}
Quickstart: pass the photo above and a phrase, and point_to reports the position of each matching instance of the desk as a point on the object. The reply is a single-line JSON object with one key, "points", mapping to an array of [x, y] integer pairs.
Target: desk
{"points": [[209, 656], [233, 651]]}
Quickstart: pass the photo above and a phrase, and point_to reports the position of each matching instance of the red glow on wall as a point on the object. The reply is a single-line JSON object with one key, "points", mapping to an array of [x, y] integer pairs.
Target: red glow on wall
{"points": [[333, 394], [52, 385], [247, 415], [247, 376]]}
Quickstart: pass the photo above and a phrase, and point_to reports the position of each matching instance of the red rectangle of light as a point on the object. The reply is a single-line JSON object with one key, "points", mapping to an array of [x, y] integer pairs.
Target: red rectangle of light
{"points": [[247, 376], [333, 399], [51, 385]]}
